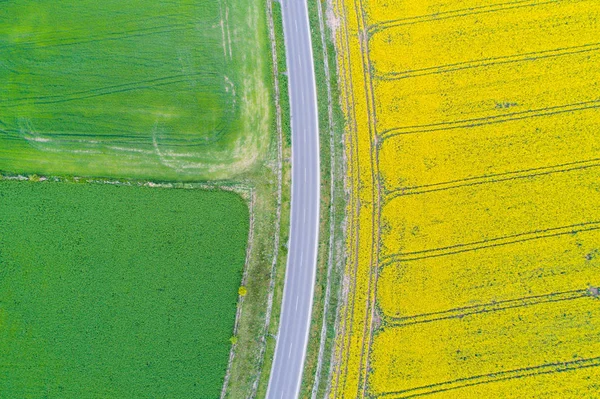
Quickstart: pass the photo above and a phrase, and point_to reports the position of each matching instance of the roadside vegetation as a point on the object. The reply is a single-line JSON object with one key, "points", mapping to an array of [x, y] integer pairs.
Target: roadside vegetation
{"points": [[333, 205], [260, 362]]}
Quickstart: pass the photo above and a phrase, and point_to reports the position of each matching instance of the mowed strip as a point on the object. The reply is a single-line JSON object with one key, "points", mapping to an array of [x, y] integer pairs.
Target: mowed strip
{"points": [[116, 291]]}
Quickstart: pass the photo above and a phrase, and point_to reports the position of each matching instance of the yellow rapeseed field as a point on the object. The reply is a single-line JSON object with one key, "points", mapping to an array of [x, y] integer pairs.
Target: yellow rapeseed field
{"points": [[489, 278], [483, 347], [473, 159]]}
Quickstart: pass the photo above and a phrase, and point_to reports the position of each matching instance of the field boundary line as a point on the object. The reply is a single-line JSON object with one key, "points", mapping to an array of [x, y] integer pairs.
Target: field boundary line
{"points": [[239, 307], [376, 193], [458, 13], [547, 368], [343, 309], [332, 209], [241, 189], [493, 178], [489, 120], [279, 125], [487, 62], [459, 313], [492, 242], [344, 328]]}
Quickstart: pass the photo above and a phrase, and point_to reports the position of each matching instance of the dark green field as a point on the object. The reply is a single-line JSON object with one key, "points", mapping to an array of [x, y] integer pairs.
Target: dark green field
{"points": [[117, 292], [174, 90]]}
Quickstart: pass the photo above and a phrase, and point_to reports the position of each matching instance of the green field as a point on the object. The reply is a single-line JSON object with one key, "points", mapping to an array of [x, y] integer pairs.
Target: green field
{"points": [[173, 90], [117, 292]]}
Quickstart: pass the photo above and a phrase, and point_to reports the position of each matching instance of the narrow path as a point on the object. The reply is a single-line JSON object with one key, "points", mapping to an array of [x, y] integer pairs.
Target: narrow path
{"points": [[292, 339]]}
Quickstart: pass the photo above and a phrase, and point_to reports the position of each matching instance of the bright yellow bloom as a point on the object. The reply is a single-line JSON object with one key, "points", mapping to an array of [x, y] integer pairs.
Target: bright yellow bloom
{"points": [[515, 343], [473, 159]]}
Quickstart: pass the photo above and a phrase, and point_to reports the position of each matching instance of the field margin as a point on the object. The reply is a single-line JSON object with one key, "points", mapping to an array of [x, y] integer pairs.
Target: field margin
{"points": [[331, 252], [256, 344]]}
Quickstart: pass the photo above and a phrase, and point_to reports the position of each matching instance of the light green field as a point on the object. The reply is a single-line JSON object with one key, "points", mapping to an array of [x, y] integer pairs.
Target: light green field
{"points": [[117, 292], [133, 89]]}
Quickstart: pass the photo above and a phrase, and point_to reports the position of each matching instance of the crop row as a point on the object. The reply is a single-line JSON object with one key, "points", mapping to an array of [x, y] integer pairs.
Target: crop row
{"points": [[472, 160]]}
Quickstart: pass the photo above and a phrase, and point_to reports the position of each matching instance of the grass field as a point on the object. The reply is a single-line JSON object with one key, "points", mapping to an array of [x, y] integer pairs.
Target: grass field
{"points": [[473, 153], [168, 92], [115, 291], [132, 89]]}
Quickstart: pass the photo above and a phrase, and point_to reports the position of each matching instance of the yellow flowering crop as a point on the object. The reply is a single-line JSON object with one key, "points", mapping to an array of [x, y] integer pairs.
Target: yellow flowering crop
{"points": [[473, 160], [504, 33], [489, 278], [499, 213], [565, 384], [491, 152], [515, 343], [487, 95]]}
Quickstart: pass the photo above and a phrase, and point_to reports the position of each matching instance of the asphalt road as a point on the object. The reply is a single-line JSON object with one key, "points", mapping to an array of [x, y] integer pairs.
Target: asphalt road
{"points": [[292, 339]]}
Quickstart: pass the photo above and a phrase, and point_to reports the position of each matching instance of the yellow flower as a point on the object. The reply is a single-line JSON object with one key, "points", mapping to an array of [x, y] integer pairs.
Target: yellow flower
{"points": [[473, 166]]}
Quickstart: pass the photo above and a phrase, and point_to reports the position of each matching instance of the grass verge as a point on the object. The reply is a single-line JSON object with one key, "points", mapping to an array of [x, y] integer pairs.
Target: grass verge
{"points": [[260, 310], [331, 249]]}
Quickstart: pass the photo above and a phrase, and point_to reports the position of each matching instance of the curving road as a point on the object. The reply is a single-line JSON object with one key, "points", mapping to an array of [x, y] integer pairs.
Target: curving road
{"points": [[292, 339]]}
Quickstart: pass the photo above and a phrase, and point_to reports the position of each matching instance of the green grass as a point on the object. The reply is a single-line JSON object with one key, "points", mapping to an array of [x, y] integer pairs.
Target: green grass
{"points": [[332, 208], [112, 291], [284, 99], [248, 367], [134, 89]]}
